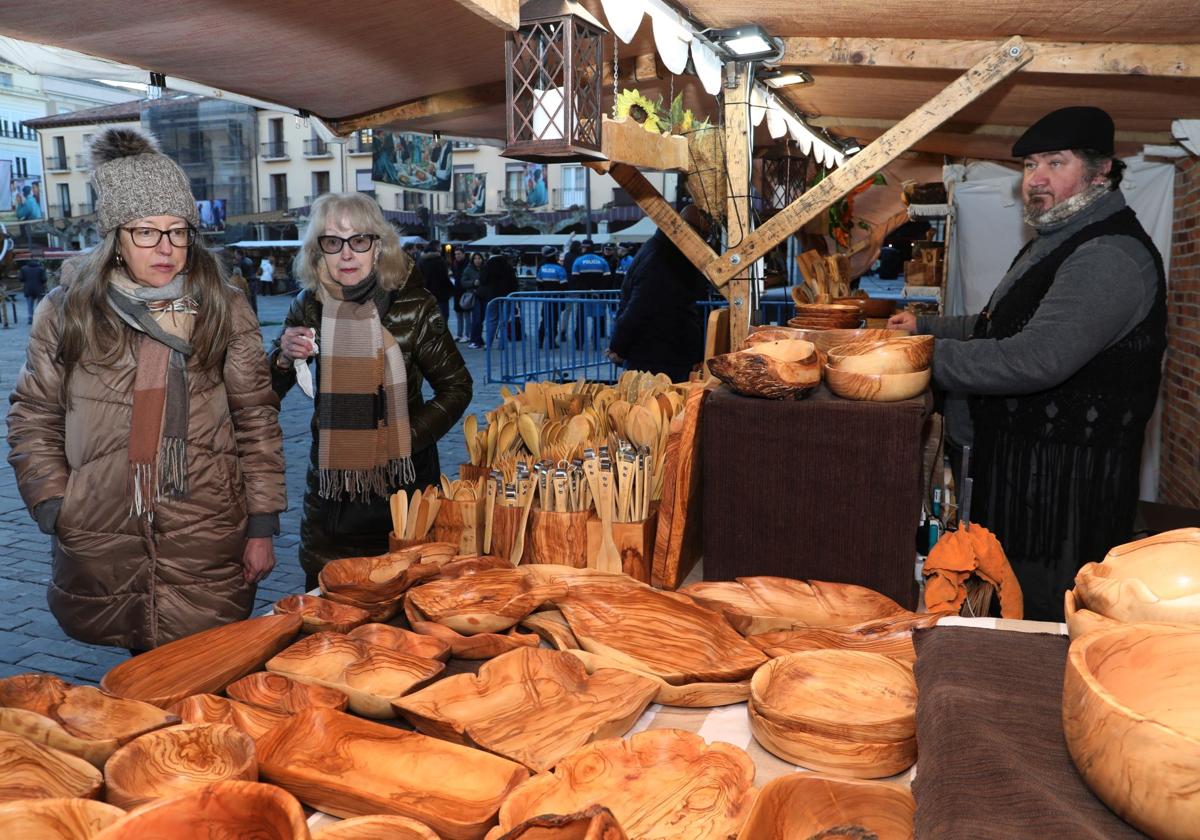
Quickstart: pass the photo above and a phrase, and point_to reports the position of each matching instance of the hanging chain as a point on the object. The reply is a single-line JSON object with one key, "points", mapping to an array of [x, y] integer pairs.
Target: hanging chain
{"points": [[616, 71]]}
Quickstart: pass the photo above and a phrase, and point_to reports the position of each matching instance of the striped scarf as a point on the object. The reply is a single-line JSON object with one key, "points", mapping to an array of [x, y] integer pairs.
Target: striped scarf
{"points": [[364, 443]]}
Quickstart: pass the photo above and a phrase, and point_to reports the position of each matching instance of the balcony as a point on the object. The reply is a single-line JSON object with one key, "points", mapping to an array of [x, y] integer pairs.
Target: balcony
{"points": [[83, 162], [563, 199], [275, 202], [309, 199], [58, 211], [358, 146], [316, 148], [275, 150], [504, 197], [85, 209], [57, 163]]}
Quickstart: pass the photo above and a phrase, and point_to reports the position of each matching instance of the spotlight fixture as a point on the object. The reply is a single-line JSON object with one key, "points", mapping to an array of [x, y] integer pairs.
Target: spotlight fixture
{"points": [[779, 78], [747, 43], [850, 146]]}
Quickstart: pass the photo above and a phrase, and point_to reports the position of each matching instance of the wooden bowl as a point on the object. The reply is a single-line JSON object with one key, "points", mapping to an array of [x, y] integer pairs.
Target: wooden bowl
{"points": [[209, 708], [374, 584], [56, 819], [377, 827], [886, 387], [169, 761], [776, 370], [283, 694], [760, 335], [594, 823], [398, 640], [477, 647], [906, 354], [322, 614], [842, 757], [888, 637], [29, 770], [487, 602], [1080, 620], [872, 307], [806, 805], [828, 310], [826, 340], [1132, 723], [226, 810], [1155, 579]]}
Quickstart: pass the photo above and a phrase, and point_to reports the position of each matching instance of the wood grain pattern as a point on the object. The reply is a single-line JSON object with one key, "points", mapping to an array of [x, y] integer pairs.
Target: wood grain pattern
{"points": [[1153, 579], [460, 522], [890, 637], [697, 695], [377, 827], [883, 387], [635, 544], [506, 526], [319, 613], [350, 767], [677, 538], [1079, 620], [595, 823], [487, 602], [56, 819], [560, 538], [531, 705], [625, 141], [169, 761], [773, 370], [802, 805], [552, 627], [372, 677], [662, 783], [905, 354], [283, 694], [399, 640], [29, 770], [671, 637], [209, 708], [767, 604], [202, 663], [825, 340], [377, 584], [855, 759], [479, 646], [226, 810]]}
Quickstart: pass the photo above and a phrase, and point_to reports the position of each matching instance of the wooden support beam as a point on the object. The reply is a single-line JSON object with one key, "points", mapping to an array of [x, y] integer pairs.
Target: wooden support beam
{"points": [[1178, 60], [738, 137], [503, 13], [993, 69], [453, 103], [972, 130]]}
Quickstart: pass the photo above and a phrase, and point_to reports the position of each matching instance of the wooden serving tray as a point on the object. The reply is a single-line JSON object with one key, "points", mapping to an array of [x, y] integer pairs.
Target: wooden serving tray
{"points": [[402, 641], [532, 705], [350, 767], [479, 646], [319, 613], [486, 602], [209, 708], [372, 677], [29, 770], [284, 694], [203, 663]]}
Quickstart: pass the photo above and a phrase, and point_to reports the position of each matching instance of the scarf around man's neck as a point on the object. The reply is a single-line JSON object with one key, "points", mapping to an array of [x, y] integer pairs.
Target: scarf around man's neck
{"points": [[364, 443], [164, 317]]}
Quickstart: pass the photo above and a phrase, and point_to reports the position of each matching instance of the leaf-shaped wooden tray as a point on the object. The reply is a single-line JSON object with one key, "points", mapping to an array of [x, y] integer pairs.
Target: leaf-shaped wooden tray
{"points": [[553, 628], [209, 708], [403, 641], [531, 705], [596, 823], [77, 719], [479, 646], [891, 637], [376, 827], [486, 602], [169, 761], [376, 584], [203, 663], [284, 694], [697, 695], [29, 770], [56, 819], [229, 810], [806, 805], [372, 677], [661, 783], [768, 604], [662, 633], [350, 767], [319, 613]]}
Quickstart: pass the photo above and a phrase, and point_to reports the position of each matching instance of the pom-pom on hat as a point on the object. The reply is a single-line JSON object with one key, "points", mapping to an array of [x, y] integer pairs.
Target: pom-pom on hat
{"points": [[1077, 127], [133, 178]]}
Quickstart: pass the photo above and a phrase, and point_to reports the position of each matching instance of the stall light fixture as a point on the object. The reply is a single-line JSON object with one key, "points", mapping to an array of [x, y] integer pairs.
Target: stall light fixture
{"points": [[777, 79], [850, 146], [747, 43]]}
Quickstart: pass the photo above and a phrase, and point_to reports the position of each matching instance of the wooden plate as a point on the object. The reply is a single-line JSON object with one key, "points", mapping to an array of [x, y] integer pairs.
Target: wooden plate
{"points": [[372, 677], [319, 613], [377, 827], [350, 767], [203, 663], [486, 602], [806, 805], [596, 823], [479, 646], [662, 783], [531, 705], [840, 756], [227, 810], [768, 604], [169, 761], [283, 694], [209, 708], [890, 637], [402, 641], [29, 770], [56, 819]]}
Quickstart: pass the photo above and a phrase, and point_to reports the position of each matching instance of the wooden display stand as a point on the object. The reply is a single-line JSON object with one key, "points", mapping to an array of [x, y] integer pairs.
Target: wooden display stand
{"points": [[560, 538], [635, 542], [461, 523], [397, 544], [506, 523], [625, 141]]}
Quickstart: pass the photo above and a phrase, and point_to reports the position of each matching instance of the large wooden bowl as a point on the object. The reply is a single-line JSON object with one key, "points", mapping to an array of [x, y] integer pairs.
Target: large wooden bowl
{"points": [[775, 370], [169, 761], [906, 354], [884, 387], [227, 810], [1132, 723], [1080, 620], [478, 647], [56, 819], [209, 708], [29, 770], [319, 613], [376, 584], [842, 757], [403, 641], [376, 827], [283, 694], [596, 823], [806, 805], [487, 602], [826, 340], [1155, 579]]}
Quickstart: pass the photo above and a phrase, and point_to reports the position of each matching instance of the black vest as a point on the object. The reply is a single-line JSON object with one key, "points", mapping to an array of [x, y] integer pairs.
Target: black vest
{"points": [[1108, 401]]}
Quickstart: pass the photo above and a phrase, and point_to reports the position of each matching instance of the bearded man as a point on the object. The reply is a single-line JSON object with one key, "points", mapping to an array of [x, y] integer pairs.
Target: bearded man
{"points": [[1061, 369]]}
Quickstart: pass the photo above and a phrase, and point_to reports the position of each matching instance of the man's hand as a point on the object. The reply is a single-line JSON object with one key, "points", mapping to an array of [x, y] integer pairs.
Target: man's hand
{"points": [[258, 559], [613, 357], [903, 321]]}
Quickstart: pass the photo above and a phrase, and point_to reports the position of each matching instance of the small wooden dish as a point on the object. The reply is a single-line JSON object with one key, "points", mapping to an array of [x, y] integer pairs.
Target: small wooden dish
{"points": [[29, 770], [319, 613], [169, 761], [906, 354], [872, 307], [886, 387], [56, 819], [807, 805], [376, 827], [209, 708], [775, 370], [595, 823], [377, 584], [1154, 579], [398, 640], [224, 810], [477, 647], [283, 694], [487, 602]]}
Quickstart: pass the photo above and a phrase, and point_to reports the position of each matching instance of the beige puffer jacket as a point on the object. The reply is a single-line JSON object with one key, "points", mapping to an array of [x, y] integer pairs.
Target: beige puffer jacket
{"points": [[116, 581]]}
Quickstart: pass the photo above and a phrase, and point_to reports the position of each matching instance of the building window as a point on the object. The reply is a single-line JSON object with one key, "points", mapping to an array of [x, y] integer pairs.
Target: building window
{"points": [[574, 187], [278, 199], [6, 80], [58, 159], [64, 200], [412, 200], [363, 182], [464, 176], [275, 147], [514, 182], [320, 185]]}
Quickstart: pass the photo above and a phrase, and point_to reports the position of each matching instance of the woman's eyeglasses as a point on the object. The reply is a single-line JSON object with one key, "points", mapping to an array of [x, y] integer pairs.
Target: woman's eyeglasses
{"points": [[148, 237], [359, 242]]}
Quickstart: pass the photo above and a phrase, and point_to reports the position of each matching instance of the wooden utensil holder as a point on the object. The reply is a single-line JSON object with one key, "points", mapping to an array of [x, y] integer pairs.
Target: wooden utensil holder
{"points": [[560, 538], [397, 544], [505, 522], [472, 472], [635, 542], [460, 522]]}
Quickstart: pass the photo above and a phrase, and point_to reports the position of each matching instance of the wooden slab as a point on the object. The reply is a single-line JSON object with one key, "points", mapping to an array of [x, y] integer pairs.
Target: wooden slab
{"points": [[662, 783], [677, 538], [203, 663], [209, 708], [56, 819], [624, 140], [377, 827], [801, 805], [228, 810], [349, 767], [319, 613], [531, 705], [487, 602], [372, 677], [284, 694], [398, 640], [596, 823], [29, 770]]}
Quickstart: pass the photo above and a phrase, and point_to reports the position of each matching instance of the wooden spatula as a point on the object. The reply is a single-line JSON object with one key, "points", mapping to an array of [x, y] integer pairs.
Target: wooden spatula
{"points": [[610, 558]]}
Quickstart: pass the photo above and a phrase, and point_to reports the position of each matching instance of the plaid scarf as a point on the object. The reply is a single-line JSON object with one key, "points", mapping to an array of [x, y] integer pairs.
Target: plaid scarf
{"points": [[364, 443], [158, 429]]}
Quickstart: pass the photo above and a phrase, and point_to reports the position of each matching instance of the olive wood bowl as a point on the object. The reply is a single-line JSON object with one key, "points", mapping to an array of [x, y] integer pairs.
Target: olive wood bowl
{"points": [[225, 810], [1154, 579], [376, 827], [319, 613], [1080, 620], [594, 823], [885, 387], [169, 761], [1132, 723], [377, 584], [29, 770], [842, 757], [826, 340], [775, 370], [801, 805], [907, 354], [871, 307], [283, 694], [890, 637], [477, 647], [403, 641], [56, 819], [209, 708], [486, 602]]}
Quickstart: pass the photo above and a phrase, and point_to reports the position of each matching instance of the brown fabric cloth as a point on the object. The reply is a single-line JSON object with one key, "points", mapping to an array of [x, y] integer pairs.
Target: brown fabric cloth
{"points": [[821, 488], [992, 763]]}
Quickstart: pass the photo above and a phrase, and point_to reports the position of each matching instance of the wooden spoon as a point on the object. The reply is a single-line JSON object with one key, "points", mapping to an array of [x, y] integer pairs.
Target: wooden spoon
{"points": [[530, 434], [470, 430], [641, 426], [414, 505]]}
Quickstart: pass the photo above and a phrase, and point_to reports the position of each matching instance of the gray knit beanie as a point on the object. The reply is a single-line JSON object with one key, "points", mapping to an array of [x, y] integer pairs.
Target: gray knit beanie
{"points": [[133, 178]]}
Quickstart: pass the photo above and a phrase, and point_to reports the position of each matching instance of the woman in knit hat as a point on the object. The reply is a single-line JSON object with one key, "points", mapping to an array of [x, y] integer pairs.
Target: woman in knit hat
{"points": [[143, 430]]}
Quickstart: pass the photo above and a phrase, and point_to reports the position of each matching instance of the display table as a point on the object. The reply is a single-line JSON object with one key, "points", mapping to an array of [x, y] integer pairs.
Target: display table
{"points": [[816, 489]]}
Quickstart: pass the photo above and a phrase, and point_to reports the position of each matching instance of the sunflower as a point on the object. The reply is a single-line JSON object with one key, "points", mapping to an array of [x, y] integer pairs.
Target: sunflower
{"points": [[635, 105]]}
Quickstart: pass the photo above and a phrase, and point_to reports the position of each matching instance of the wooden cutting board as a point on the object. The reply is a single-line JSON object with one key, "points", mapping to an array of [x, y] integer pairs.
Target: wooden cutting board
{"points": [[677, 545]]}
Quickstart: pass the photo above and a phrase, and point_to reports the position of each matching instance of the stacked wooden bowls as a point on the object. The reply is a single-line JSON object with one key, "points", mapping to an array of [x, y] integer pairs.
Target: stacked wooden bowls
{"points": [[884, 370], [846, 712], [824, 340], [827, 316], [871, 307], [776, 370]]}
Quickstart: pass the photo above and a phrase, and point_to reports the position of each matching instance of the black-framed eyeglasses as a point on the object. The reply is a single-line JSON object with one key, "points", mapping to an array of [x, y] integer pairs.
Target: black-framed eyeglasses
{"points": [[359, 242], [149, 237]]}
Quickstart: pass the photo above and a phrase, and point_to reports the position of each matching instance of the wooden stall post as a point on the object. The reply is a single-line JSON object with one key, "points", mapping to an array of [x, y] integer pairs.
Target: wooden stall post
{"points": [[738, 140]]}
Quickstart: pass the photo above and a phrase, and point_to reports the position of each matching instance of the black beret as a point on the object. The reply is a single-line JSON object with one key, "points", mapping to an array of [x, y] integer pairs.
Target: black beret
{"points": [[1077, 127]]}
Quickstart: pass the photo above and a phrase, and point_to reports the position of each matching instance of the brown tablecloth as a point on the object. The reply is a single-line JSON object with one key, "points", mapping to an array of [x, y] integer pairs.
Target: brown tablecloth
{"points": [[993, 764], [821, 488]]}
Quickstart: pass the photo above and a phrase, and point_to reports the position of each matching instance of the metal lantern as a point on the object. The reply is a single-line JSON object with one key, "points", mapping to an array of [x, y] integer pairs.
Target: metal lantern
{"points": [[553, 83], [784, 176]]}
